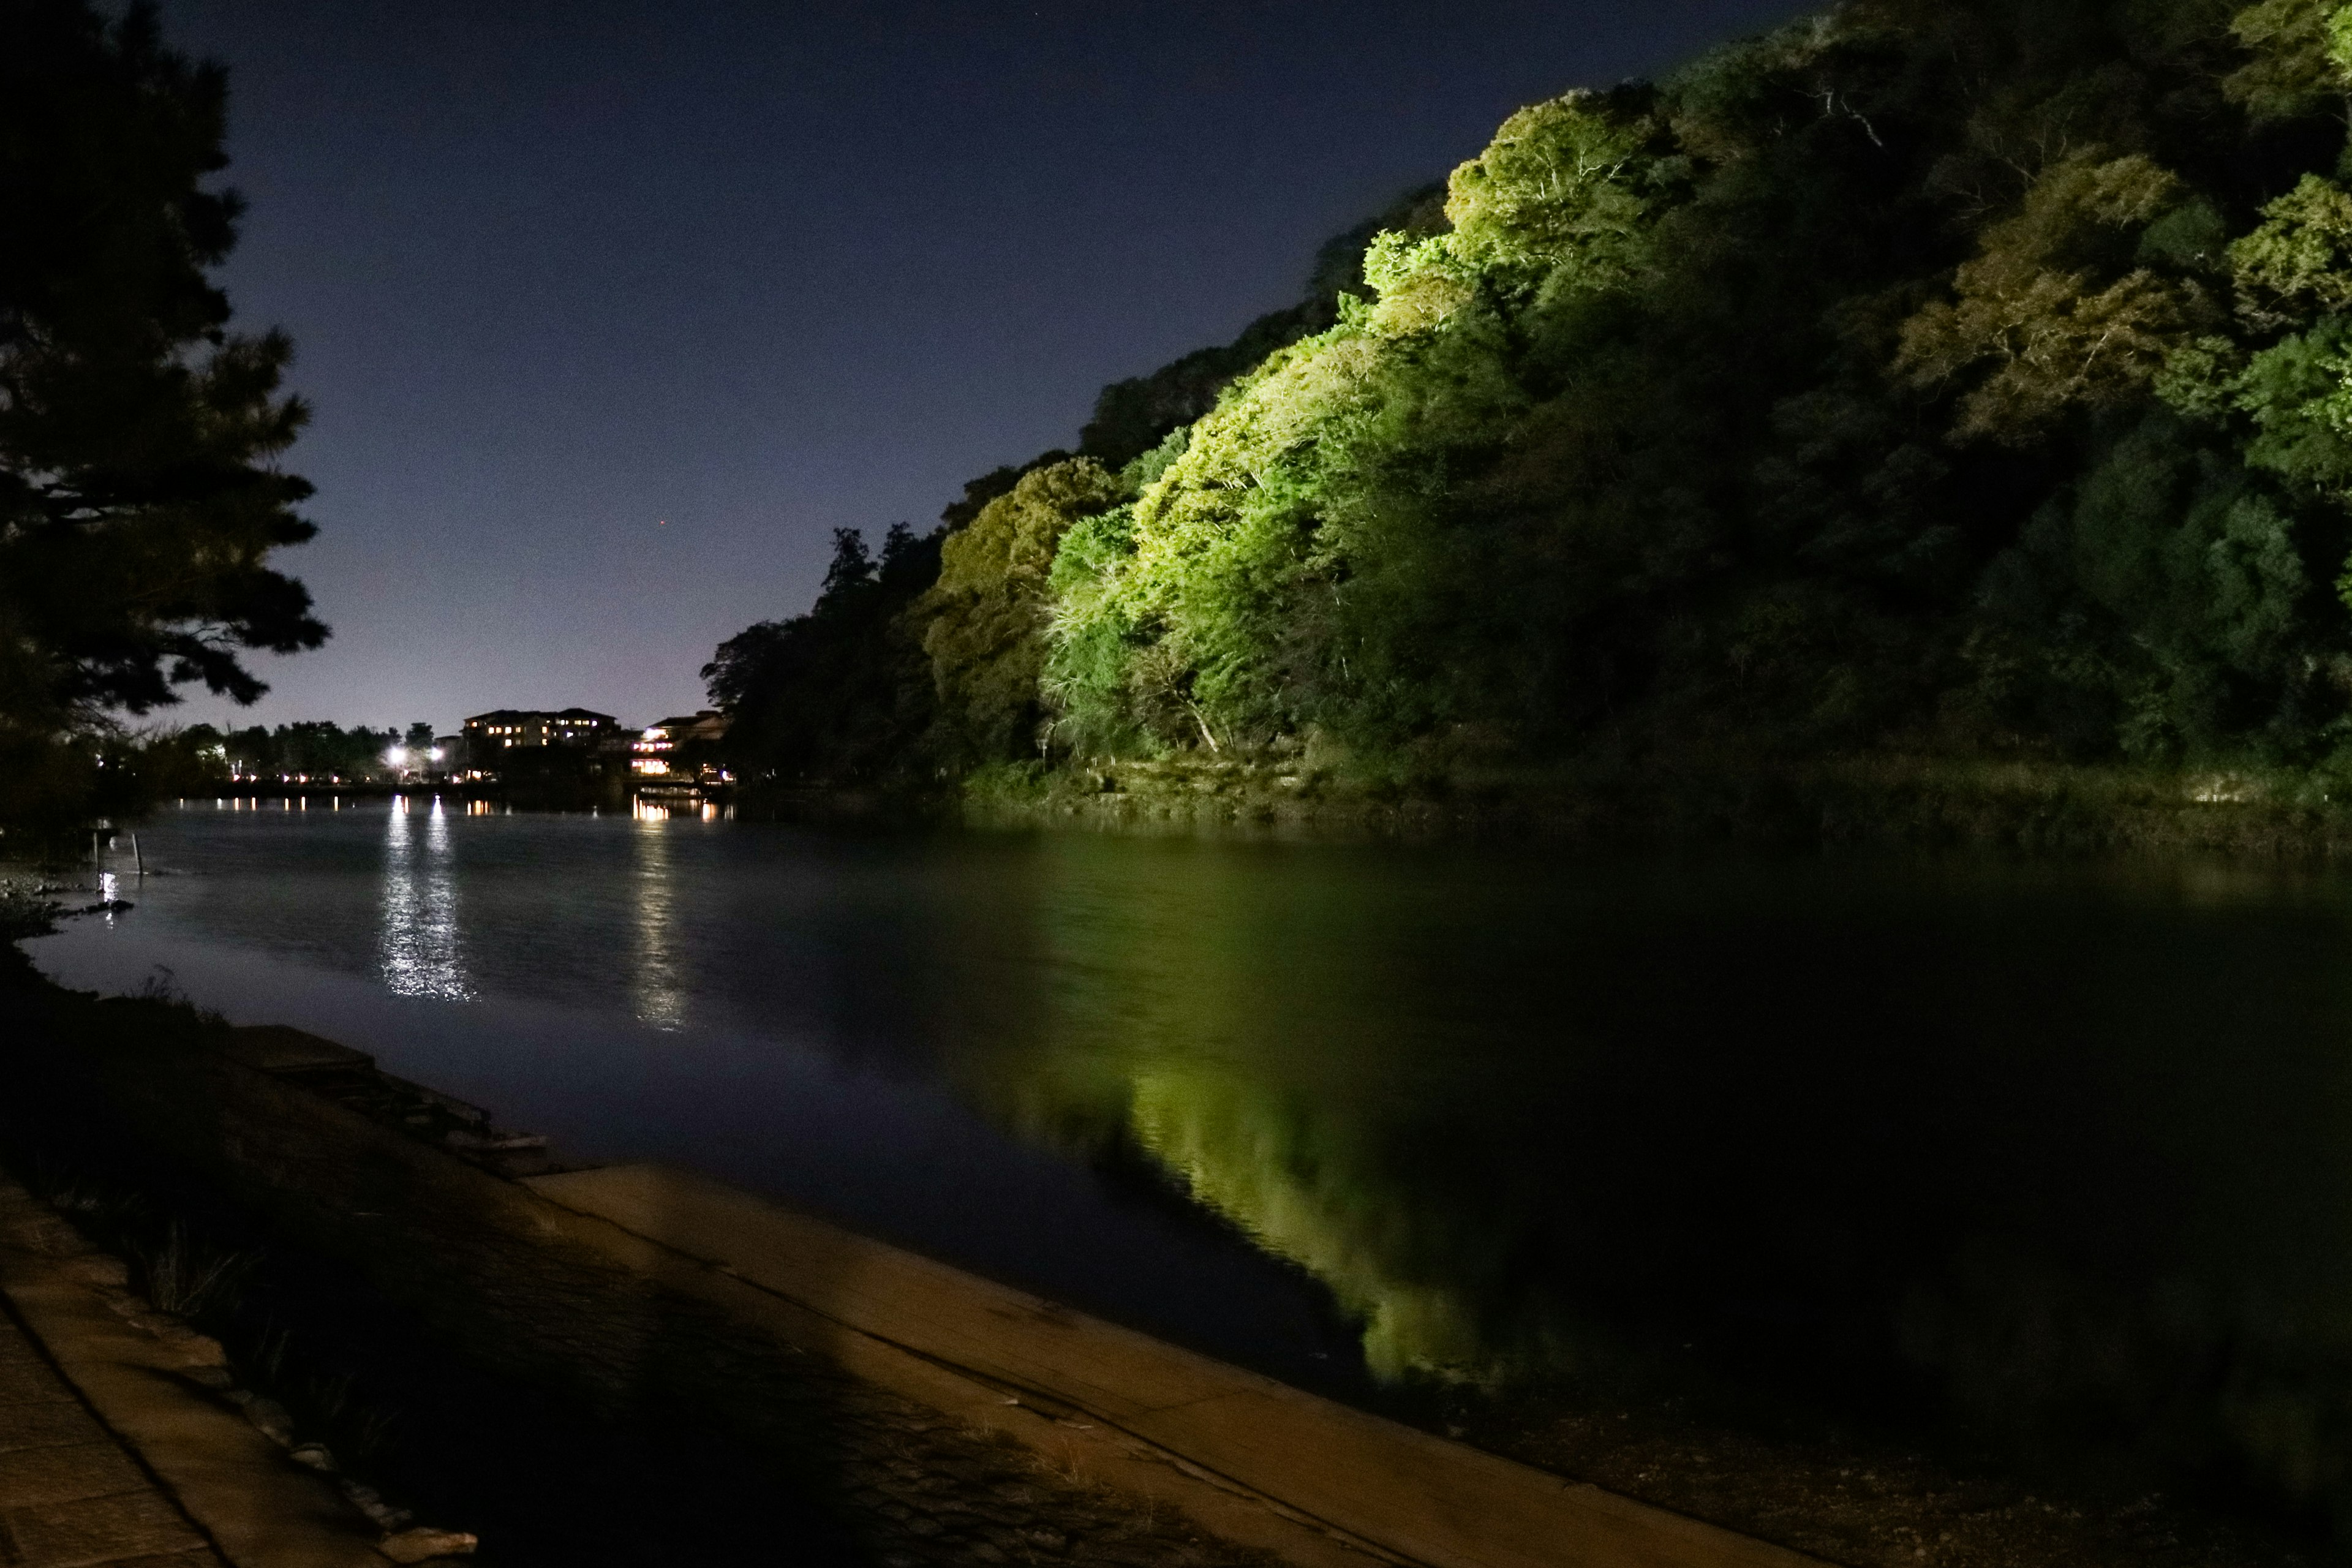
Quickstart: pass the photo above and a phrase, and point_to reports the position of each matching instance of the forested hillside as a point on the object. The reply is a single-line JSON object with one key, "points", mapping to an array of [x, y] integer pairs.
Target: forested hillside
{"points": [[1970, 377]]}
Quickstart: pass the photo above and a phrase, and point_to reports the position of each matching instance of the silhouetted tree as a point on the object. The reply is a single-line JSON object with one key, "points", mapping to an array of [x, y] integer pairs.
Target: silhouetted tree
{"points": [[139, 492], [842, 694]]}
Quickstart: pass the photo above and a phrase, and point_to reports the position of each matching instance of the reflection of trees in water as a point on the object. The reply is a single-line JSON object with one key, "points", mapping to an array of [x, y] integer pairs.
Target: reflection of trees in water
{"points": [[1291, 1181], [1279, 1077], [2109, 1227], [1428, 1253], [2227, 1381], [2195, 1368], [417, 950], [2155, 1379]]}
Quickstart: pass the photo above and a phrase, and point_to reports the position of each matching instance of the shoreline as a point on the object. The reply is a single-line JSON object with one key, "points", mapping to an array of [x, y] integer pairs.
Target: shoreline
{"points": [[605, 1277], [454, 1229], [1892, 801], [1870, 802]]}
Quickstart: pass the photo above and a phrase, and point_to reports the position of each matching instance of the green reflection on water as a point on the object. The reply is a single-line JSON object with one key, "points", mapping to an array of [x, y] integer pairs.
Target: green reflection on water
{"points": [[1292, 1041], [2057, 1153], [1300, 1186]]}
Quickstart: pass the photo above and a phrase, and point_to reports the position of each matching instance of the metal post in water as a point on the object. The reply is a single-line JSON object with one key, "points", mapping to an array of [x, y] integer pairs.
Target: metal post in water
{"points": [[136, 857]]}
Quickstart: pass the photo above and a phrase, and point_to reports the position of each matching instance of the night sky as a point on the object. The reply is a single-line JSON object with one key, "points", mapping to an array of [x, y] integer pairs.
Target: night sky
{"points": [[559, 272]]}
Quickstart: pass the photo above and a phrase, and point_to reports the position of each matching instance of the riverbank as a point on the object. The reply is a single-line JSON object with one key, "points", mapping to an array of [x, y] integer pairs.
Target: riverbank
{"points": [[126, 1440], [1894, 801], [1035, 1432], [447, 1322], [422, 1213]]}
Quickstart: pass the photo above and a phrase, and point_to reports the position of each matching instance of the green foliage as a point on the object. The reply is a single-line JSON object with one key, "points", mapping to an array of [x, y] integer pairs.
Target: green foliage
{"points": [[2161, 604], [1970, 377], [2036, 304], [140, 491], [1298, 562], [984, 620], [2300, 49], [1568, 182], [1006, 783], [1383, 533], [1132, 417], [1086, 676], [2294, 394], [2295, 261], [850, 692]]}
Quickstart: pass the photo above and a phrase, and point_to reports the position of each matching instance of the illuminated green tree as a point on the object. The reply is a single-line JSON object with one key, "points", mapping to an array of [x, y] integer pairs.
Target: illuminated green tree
{"points": [[984, 620], [1965, 376]]}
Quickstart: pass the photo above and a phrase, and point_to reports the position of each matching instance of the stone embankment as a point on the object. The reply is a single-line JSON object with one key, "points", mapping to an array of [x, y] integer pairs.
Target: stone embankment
{"points": [[127, 1441], [1254, 1461], [70, 1492], [948, 1418]]}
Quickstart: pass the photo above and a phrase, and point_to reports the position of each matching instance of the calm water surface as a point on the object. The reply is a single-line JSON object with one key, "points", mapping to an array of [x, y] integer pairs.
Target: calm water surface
{"points": [[2059, 1156]]}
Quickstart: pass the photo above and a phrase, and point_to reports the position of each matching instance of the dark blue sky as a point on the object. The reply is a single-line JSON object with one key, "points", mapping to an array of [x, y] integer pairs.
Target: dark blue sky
{"points": [[557, 272]]}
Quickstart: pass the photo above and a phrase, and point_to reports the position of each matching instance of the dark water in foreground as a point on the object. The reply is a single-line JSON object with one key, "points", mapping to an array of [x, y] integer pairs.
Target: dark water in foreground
{"points": [[2052, 1156]]}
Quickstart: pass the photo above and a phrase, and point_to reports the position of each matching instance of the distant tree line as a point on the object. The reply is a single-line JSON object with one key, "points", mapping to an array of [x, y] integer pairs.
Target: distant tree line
{"points": [[1961, 376], [316, 750]]}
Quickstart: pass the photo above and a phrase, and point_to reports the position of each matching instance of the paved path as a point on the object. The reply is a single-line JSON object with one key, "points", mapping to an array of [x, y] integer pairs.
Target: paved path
{"points": [[115, 1447], [70, 1495], [1360, 1486]]}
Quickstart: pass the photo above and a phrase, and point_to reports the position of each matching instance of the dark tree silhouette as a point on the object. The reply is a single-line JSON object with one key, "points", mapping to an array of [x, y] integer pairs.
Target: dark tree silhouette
{"points": [[139, 492]]}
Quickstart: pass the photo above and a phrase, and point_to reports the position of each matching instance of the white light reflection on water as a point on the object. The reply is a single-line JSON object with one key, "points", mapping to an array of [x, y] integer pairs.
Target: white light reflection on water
{"points": [[658, 988], [418, 950]]}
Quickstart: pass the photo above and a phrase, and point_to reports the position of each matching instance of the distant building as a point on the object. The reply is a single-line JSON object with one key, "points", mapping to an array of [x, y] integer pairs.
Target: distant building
{"points": [[614, 751], [680, 751], [491, 739]]}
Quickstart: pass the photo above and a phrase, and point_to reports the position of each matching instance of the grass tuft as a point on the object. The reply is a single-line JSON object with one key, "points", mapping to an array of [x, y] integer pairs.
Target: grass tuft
{"points": [[184, 1280]]}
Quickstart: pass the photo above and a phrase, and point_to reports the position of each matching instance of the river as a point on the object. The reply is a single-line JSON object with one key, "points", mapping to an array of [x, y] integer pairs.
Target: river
{"points": [[2056, 1157]]}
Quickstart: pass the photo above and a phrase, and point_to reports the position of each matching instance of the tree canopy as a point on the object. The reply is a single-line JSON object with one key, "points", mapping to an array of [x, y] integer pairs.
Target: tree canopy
{"points": [[140, 496], [1959, 375]]}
